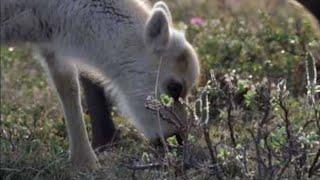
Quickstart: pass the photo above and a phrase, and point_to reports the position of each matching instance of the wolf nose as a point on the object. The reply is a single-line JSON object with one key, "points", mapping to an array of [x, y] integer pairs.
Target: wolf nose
{"points": [[158, 143], [175, 89]]}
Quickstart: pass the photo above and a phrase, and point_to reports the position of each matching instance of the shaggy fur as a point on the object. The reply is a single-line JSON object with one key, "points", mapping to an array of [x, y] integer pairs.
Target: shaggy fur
{"points": [[118, 43]]}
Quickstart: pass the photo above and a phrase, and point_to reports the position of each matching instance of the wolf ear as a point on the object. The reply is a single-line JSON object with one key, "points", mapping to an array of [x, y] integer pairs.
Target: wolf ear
{"points": [[162, 5], [157, 32]]}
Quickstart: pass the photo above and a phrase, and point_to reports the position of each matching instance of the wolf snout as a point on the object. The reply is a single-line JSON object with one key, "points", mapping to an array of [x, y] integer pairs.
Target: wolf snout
{"points": [[158, 142]]}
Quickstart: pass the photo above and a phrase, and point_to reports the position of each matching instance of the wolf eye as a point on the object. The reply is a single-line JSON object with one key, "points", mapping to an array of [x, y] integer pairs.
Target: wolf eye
{"points": [[174, 89]]}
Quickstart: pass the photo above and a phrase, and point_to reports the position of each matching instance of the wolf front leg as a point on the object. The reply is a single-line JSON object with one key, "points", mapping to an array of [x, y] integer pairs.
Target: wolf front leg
{"points": [[65, 79], [100, 107]]}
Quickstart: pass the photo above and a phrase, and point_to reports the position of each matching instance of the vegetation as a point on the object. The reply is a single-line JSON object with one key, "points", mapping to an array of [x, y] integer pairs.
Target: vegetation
{"points": [[255, 114]]}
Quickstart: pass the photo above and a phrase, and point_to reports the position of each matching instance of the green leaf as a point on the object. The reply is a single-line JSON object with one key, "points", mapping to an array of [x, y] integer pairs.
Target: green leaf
{"points": [[166, 100]]}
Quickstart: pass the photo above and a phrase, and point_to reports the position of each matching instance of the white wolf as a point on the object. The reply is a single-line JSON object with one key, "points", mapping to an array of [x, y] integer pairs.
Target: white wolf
{"points": [[119, 43]]}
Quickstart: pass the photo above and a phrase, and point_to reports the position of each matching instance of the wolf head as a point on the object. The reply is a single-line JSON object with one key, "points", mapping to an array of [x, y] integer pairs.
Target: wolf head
{"points": [[175, 62], [179, 69]]}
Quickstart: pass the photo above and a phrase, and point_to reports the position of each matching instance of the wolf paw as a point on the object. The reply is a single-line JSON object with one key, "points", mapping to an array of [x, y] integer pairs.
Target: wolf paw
{"points": [[86, 161]]}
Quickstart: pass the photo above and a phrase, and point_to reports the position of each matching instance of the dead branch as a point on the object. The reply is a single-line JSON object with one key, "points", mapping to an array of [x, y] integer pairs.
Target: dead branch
{"points": [[152, 166], [314, 165]]}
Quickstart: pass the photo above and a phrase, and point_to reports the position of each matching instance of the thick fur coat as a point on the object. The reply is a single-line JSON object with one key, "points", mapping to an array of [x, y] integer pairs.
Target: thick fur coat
{"points": [[123, 44]]}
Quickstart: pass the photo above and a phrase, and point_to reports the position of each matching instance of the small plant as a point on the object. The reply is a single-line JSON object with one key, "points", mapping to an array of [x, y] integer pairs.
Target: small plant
{"points": [[262, 142]]}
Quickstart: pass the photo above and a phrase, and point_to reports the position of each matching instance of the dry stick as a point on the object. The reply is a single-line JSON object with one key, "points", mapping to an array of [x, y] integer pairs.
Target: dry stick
{"points": [[19, 170], [314, 164], [229, 114], [269, 150], [288, 134], [311, 83], [212, 153], [205, 130], [317, 117], [186, 150], [309, 122], [316, 111], [209, 144], [177, 121], [313, 103], [245, 159], [230, 125], [257, 140], [146, 166], [305, 49], [8, 137], [261, 164], [288, 126]]}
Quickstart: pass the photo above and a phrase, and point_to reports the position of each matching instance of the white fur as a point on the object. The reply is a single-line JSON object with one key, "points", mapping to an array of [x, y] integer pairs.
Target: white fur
{"points": [[108, 38]]}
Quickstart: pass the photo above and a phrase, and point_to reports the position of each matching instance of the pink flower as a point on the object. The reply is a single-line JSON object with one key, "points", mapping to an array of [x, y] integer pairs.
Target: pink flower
{"points": [[197, 21]]}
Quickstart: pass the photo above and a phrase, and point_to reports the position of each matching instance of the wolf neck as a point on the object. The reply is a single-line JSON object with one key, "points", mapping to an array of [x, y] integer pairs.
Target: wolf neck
{"points": [[107, 33], [101, 22], [111, 40]]}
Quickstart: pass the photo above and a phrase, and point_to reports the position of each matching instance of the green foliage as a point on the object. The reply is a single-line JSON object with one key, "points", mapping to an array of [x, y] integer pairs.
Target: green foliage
{"points": [[267, 49], [172, 141], [166, 100]]}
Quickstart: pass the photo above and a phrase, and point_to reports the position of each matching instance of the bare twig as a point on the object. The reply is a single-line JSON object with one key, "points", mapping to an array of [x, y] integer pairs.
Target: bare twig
{"points": [[147, 166], [19, 170], [212, 152], [261, 164], [313, 166]]}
